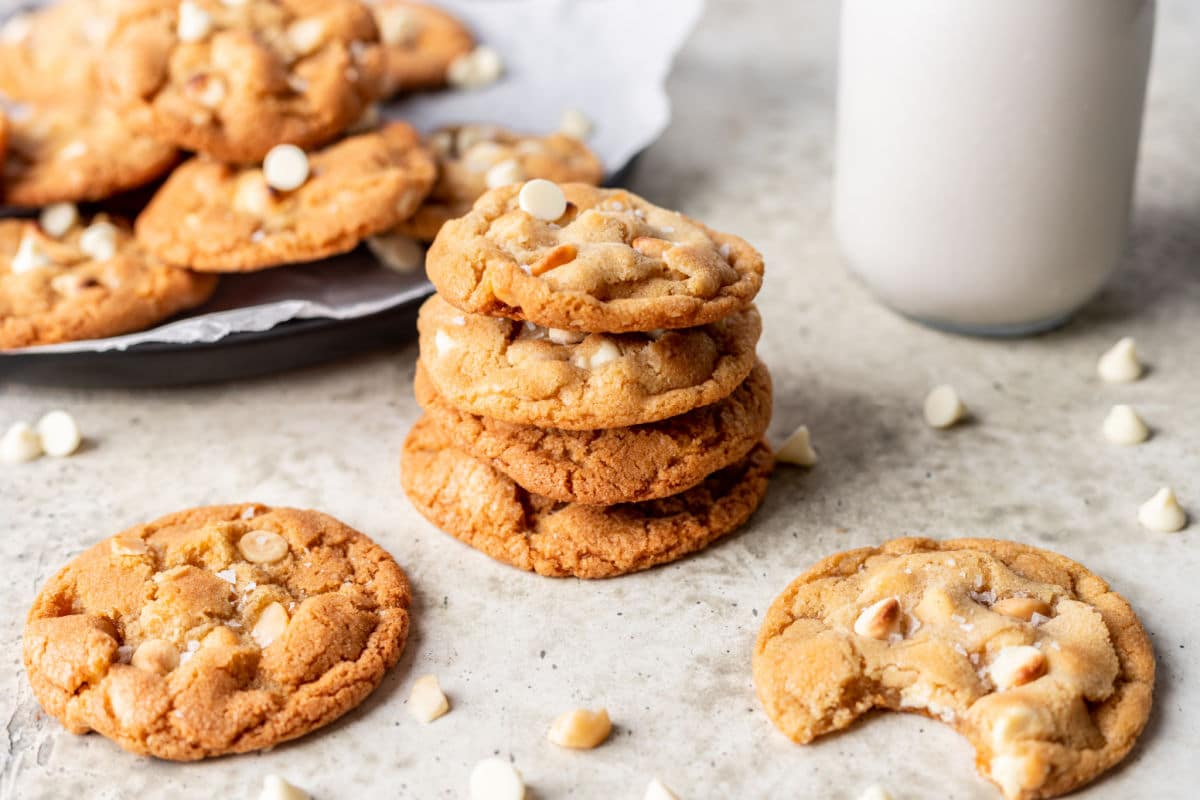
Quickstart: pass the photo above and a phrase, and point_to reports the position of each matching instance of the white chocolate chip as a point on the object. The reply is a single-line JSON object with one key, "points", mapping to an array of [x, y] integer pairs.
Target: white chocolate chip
{"points": [[72, 149], [879, 620], [276, 788], [1014, 723], [657, 790], [1124, 426], [59, 433], [251, 195], [470, 135], [580, 729], [306, 35], [398, 252], [58, 218], [1120, 363], [286, 167], [1025, 608], [443, 342], [207, 90], [1015, 774], [542, 199], [427, 702], [99, 241], [605, 352], [155, 655], [1017, 665], [29, 255], [504, 173], [875, 792], [194, 22], [270, 625], [560, 336], [397, 25], [575, 123], [474, 70], [19, 444], [1162, 512], [797, 449], [496, 779], [263, 547], [943, 407], [128, 546]]}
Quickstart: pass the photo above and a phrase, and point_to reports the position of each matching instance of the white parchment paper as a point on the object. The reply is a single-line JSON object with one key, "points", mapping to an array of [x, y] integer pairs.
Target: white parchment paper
{"points": [[607, 58]]}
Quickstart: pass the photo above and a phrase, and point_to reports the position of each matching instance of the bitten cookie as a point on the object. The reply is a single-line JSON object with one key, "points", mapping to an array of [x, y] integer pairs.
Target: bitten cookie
{"points": [[551, 378], [481, 506], [475, 158], [612, 262], [87, 283], [617, 465], [73, 149], [1045, 670], [216, 630], [221, 218], [232, 80], [419, 42]]}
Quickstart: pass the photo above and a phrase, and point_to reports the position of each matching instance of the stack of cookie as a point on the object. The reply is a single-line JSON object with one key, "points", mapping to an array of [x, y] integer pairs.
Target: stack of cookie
{"points": [[594, 405]]}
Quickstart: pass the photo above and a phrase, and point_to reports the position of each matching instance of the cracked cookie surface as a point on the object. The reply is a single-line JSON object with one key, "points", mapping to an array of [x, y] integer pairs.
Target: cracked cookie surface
{"points": [[216, 630], [55, 290], [223, 218], [419, 42], [1045, 670], [612, 263], [617, 465], [485, 509], [467, 153], [518, 372], [232, 80]]}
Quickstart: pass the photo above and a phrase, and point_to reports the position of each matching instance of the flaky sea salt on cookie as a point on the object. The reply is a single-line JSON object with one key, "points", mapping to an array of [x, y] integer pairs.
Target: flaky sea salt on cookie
{"points": [[608, 261]]}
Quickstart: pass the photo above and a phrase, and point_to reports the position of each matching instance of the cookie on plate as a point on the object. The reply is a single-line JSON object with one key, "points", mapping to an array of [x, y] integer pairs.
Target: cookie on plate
{"points": [[223, 218], [232, 80], [72, 148], [611, 263], [85, 282], [216, 630], [617, 465], [1045, 670], [551, 378], [55, 49], [483, 507], [420, 43], [475, 158]]}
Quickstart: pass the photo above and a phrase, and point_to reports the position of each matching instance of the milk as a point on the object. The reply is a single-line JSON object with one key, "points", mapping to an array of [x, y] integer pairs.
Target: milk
{"points": [[986, 153]]}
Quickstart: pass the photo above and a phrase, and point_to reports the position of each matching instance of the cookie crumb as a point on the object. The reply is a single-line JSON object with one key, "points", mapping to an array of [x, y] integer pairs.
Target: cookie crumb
{"points": [[427, 702], [797, 449], [496, 779], [1162, 512], [1120, 363], [580, 729], [1123, 425], [944, 408]]}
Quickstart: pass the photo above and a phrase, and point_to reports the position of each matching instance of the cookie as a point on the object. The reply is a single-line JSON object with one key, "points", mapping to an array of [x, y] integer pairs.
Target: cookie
{"points": [[73, 149], [518, 372], [419, 43], [1044, 669], [484, 508], [223, 218], [232, 80], [216, 630], [55, 49], [612, 263], [618, 465], [469, 154], [3, 143], [90, 283]]}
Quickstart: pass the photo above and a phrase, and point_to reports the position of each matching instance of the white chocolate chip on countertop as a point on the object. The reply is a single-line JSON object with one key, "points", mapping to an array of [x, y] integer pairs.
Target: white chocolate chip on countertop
{"points": [[427, 701], [276, 788], [875, 792], [1162, 512], [657, 790], [496, 779], [1120, 363], [797, 449], [943, 407], [580, 729], [20, 443], [1123, 425], [59, 433], [286, 167]]}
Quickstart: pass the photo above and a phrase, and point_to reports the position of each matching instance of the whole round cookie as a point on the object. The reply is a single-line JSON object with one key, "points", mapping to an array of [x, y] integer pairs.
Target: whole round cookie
{"points": [[89, 282], [1035, 660], [419, 43], [551, 378], [73, 148], [47, 51], [216, 630], [611, 263], [223, 218], [483, 507], [617, 465], [474, 158], [232, 80]]}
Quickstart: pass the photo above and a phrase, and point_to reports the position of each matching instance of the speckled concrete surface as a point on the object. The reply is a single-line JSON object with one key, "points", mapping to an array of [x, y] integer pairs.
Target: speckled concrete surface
{"points": [[668, 651]]}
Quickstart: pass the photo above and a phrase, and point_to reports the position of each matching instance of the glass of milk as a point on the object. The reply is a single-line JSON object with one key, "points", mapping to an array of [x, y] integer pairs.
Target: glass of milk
{"points": [[986, 154]]}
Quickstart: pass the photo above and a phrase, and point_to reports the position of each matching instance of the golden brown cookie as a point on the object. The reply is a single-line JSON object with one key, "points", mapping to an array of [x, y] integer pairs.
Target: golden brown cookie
{"points": [[72, 148], [53, 50], [222, 218], [518, 372], [3, 144], [473, 158], [88, 283], [420, 42], [617, 465], [216, 630], [484, 508], [612, 263], [1045, 670], [231, 80]]}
